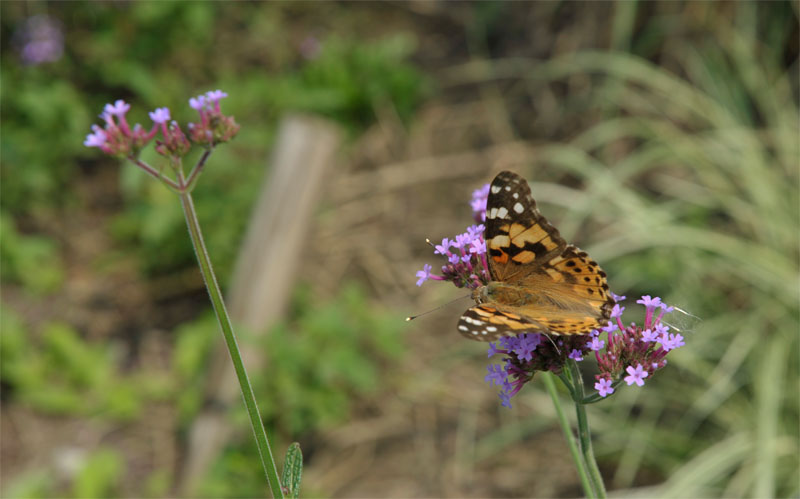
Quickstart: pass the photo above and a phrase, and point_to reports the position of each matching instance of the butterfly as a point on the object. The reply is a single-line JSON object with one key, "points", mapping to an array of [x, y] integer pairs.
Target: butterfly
{"points": [[539, 283]]}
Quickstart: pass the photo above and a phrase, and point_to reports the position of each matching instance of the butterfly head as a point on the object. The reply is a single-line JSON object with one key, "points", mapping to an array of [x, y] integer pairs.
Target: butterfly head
{"points": [[481, 294]]}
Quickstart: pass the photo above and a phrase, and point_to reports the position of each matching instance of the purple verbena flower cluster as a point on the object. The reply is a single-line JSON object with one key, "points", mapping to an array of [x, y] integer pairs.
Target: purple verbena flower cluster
{"points": [[466, 254], [632, 350], [118, 138], [637, 351], [527, 353]]}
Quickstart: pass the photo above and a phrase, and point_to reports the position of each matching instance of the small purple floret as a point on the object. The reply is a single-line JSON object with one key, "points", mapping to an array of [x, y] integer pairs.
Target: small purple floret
{"points": [[215, 95], [526, 344], [160, 115], [478, 203], [650, 336], [636, 375], [603, 387], [597, 344], [497, 375], [424, 274], [119, 108], [442, 249], [647, 301], [197, 103], [95, 139]]}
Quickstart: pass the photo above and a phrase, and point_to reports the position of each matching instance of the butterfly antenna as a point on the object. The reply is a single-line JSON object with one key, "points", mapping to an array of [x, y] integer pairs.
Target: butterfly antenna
{"points": [[684, 312], [411, 318], [554, 343]]}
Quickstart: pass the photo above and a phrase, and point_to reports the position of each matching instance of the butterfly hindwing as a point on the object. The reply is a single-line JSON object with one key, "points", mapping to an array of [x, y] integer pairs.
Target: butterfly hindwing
{"points": [[488, 323]]}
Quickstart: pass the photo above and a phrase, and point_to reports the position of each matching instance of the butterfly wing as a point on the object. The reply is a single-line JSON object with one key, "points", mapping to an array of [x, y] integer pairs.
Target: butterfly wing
{"points": [[487, 322], [563, 290], [518, 238]]}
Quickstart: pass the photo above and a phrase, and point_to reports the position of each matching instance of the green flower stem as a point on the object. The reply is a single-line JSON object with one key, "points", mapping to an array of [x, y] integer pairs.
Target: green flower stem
{"points": [[547, 379], [584, 435], [156, 174], [215, 294], [198, 168]]}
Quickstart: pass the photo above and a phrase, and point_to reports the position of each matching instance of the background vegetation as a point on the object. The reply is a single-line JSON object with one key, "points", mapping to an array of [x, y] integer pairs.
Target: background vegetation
{"points": [[660, 136]]}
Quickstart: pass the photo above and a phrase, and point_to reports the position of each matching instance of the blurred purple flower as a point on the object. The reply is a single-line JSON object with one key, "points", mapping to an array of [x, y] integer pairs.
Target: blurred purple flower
{"points": [[160, 115], [310, 47], [478, 203], [40, 39]]}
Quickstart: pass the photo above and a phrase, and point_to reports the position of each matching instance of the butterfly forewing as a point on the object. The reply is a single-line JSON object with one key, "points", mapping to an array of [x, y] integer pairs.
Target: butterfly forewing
{"points": [[566, 291], [518, 238]]}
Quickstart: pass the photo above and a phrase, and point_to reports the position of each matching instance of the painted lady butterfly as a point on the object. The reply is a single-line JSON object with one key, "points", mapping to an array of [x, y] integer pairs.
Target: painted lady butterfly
{"points": [[539, 283]]}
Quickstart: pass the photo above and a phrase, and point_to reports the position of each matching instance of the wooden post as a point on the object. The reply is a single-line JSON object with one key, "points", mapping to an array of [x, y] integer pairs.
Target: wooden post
{"points": [[264, 276]]}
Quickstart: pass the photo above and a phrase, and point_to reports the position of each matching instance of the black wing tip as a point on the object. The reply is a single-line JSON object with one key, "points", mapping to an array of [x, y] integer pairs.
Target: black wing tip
{"points": [[506, 175]]}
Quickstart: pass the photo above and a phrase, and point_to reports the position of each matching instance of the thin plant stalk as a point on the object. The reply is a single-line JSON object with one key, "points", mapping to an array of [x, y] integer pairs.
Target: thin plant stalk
{"points": [[580, 463], [204, 261], [584, 435]]}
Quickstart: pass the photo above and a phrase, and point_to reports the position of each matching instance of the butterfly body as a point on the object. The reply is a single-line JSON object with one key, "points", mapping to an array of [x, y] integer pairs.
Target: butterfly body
{"points": [[539, 283]]}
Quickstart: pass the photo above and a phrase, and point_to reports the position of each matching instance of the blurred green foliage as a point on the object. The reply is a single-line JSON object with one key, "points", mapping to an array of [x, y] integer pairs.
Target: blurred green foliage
{"points": [[30, 260], [98, 475], [324, 359], [58, 372], [321, 361], [340, 344]]}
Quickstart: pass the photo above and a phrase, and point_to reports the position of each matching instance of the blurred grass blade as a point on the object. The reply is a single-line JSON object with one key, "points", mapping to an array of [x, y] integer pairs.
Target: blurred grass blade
{"points": [[292, 471], [769, 395], [697, 476]]}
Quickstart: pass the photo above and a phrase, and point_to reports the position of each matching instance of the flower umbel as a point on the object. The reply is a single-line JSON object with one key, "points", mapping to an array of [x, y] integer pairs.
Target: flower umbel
{"points": [[214, 127], [638, 351], [118, 138]]}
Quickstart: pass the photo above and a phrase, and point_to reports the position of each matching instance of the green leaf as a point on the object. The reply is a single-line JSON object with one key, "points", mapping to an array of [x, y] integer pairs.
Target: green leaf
{"points": [[292, 471]]}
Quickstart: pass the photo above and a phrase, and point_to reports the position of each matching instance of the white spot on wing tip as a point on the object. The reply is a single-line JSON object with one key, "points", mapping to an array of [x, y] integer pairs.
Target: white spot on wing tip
{"points": [[519, 208], [495, 189]]}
